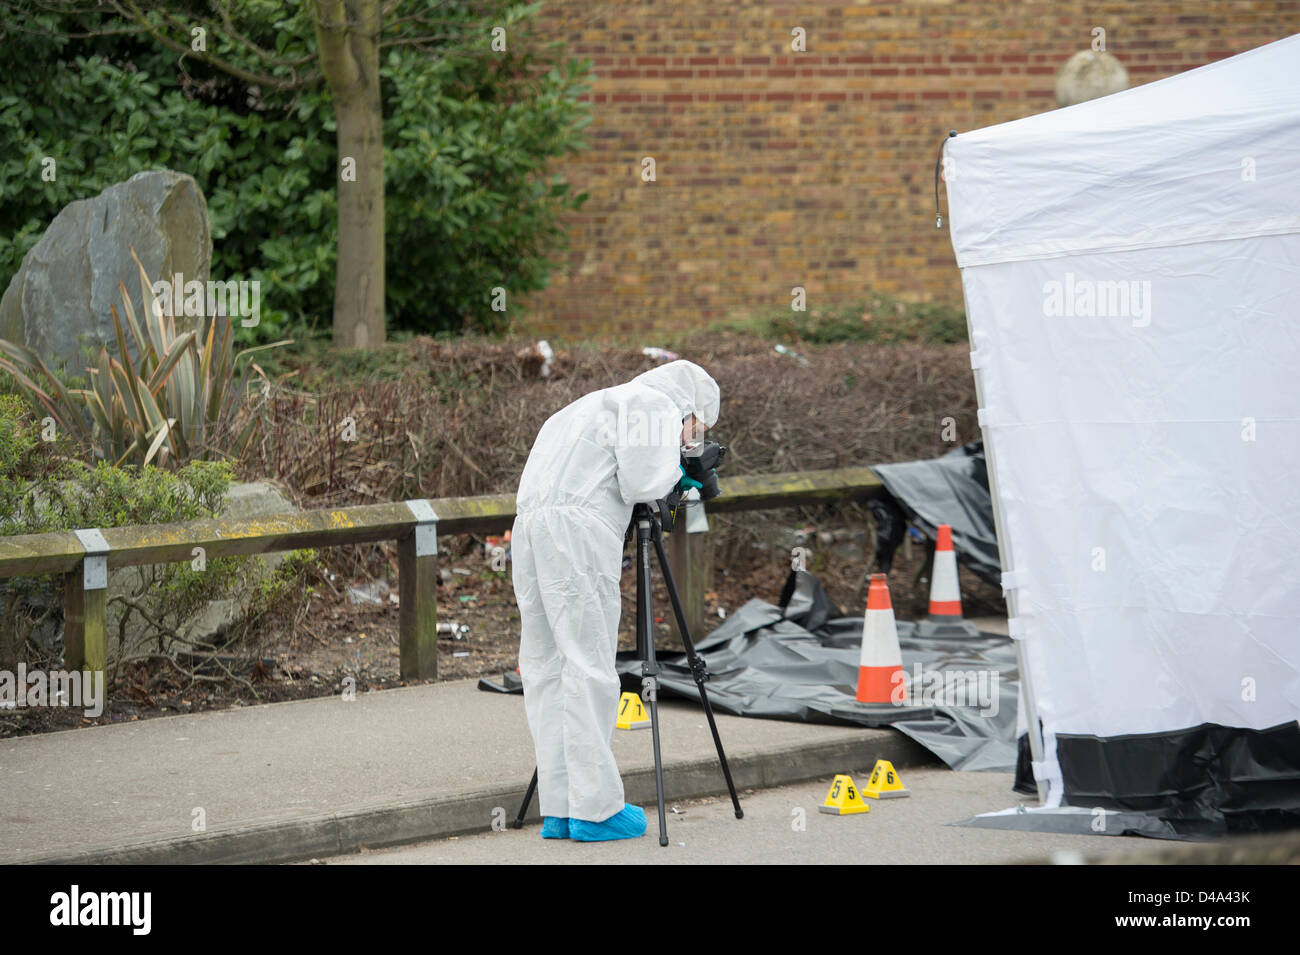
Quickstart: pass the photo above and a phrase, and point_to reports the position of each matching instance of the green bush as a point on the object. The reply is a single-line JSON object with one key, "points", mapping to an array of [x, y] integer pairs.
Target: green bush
{"points": [[42, 490], [26, 463], [882, 319], [468, 138]]}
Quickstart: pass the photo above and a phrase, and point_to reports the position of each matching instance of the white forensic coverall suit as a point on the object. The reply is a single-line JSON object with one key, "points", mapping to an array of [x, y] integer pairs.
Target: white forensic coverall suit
{"points": [[591, 462]]}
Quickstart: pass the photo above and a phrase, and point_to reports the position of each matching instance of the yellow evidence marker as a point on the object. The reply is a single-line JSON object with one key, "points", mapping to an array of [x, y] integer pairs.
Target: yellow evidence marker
{"points": [[631, 713], [884, 782], [843, 798]]}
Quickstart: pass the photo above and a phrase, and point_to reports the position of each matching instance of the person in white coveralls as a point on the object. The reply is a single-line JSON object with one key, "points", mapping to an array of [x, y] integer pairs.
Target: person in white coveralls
{"points": [[592, 461]]}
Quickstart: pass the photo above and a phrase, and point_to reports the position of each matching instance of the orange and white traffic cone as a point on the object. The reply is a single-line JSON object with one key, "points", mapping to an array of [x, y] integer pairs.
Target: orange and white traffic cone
{"points": [[945, 618], [880, 666]]}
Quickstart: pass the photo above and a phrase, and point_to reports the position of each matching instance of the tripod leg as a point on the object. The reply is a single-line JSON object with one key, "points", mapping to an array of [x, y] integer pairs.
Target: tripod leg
{"points": [[697, 669], [649, 667], [528, 799], [659, 766]]}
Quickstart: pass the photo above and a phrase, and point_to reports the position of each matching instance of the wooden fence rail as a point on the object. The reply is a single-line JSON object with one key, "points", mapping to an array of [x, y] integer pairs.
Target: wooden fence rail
{"points": [[84, 557]]}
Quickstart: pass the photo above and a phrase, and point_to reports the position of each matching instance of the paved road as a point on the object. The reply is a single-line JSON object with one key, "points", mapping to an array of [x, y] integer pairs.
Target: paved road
{"points": [[910, 830], [293, 780]]}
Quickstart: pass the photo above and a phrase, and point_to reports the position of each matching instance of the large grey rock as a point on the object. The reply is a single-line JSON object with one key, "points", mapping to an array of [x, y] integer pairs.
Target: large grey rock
{"points": [[58, 301], [257, 499]]}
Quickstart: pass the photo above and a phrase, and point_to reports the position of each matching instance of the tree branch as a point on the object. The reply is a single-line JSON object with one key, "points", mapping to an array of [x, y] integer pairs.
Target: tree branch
{"points": [[266, 55], [128, 10], [336, 59]]}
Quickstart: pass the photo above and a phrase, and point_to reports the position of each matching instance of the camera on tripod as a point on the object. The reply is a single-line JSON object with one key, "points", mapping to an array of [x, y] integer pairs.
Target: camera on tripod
{"points": [[700, 461]]}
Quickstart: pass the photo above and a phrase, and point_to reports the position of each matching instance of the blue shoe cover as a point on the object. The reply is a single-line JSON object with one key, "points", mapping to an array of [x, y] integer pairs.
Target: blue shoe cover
{"points": [[555, 827], [627, 823]]}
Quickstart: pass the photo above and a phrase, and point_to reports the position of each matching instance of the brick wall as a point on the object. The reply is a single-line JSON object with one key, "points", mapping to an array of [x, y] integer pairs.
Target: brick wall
{"points": [[777, 169]]}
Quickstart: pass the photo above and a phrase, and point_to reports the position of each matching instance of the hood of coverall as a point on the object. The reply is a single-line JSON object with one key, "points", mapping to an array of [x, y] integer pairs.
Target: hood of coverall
{"points": [[689, 386]]}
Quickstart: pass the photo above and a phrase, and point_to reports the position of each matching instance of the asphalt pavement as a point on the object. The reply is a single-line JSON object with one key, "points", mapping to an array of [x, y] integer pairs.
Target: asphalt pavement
{"points": [[438, 769], [783, 825], [286, 781]]}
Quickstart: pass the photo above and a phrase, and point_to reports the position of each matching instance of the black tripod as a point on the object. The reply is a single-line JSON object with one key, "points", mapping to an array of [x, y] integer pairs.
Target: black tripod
{"points": [[648, 529]]}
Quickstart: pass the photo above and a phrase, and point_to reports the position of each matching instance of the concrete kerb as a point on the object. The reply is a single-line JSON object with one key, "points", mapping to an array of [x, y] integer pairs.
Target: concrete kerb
{"points": [[416, 821]]}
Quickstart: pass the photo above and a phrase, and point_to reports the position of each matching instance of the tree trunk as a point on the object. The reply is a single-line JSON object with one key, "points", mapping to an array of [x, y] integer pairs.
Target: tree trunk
{"points": [[347, 34]]}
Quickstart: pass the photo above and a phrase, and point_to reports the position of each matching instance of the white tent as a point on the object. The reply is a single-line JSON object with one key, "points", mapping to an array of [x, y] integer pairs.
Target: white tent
{"points": [[1131, 268]]}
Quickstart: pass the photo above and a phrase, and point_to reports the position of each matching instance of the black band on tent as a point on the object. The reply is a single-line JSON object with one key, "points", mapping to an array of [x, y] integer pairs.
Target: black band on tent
{"points": [[1206, 780]]}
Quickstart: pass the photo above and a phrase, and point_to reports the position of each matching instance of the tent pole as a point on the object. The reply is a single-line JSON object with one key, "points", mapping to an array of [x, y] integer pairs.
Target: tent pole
{"points": [[1004, 558]]}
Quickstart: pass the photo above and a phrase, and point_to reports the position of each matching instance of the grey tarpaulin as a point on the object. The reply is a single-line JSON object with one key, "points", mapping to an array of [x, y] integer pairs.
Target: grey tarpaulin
{"points": [[802, 664], [954, 490]]}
